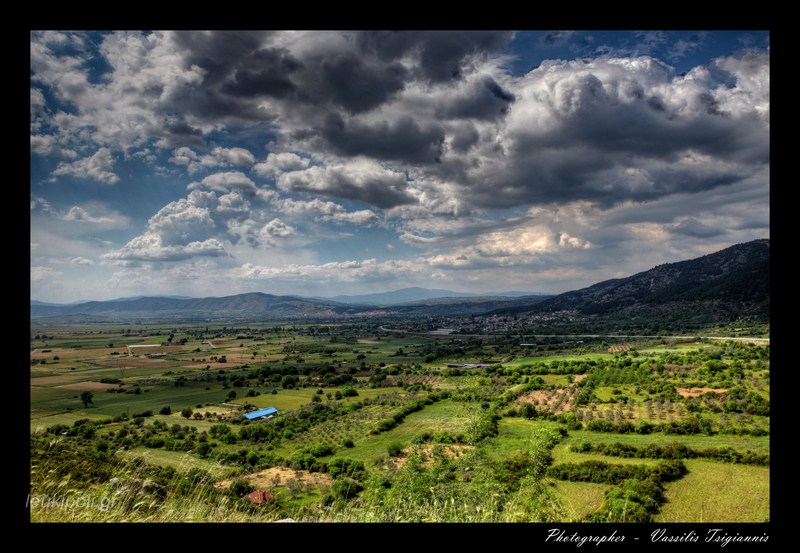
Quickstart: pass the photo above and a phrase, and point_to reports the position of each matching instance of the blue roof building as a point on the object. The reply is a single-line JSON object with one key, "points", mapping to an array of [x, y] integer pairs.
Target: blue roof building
{"points": [[267, 413]]}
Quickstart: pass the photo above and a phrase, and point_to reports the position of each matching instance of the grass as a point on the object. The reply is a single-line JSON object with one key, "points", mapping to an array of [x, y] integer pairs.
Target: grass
{"points": [[516, 434], [40, 424], [296, 398], [179, 460], [563, 454], [549, 358], [355, 426], [758, 444], [444, 416], [555, 379], [579, 499], [718, 492]]}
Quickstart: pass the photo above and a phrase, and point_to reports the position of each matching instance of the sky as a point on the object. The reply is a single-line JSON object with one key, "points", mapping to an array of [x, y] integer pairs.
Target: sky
{"points": [[321, 163]]}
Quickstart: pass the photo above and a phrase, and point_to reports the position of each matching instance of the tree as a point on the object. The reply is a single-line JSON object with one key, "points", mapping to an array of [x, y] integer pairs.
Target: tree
{"points": [[186, 412], [86, 398]]}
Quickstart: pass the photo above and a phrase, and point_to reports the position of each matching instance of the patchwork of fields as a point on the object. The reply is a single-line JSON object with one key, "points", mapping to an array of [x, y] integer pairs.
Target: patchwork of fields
{"points": [[362, 414]]}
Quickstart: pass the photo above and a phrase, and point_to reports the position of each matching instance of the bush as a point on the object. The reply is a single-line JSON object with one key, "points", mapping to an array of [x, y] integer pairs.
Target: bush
{"points": [[241, 487], [395, 449], [165, 410], [321, 450], [345, 488]]}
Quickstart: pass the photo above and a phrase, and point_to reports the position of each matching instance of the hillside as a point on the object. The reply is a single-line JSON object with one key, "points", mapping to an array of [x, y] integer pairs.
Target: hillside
{"points": [[724, 286], [249, 306], [729, 285], [419, 295]]}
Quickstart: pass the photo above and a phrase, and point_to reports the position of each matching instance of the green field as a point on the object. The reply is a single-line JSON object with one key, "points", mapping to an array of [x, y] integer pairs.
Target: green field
{"points": [[516, 434], [497, 469], [579, 499], [718, 492], [758, 444], [294, 399], [178, 460], [444, 416]]}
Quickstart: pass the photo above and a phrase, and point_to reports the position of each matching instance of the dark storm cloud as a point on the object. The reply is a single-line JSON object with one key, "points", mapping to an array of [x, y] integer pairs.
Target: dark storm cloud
{"points": [[265, 72], [485, 99], [464, 137], [401, 140], [358, 87], [434, 104], [361, 180], [180, 133], [217, 52], [696, 229], [624, 129], [442, 54]]}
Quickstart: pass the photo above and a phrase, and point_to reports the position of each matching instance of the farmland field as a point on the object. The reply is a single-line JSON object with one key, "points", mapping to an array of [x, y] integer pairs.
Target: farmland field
{"points": [[364, 416]]}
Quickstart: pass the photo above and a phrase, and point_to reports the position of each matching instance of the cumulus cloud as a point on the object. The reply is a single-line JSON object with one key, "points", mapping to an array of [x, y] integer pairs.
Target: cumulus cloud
{"points": [[346, 271], [327, 211], [426, 133], [150, 247], [360, 179], [232, 181], [98, 167], [195, 162], [79, 214], [275, 164], [438, 105]]}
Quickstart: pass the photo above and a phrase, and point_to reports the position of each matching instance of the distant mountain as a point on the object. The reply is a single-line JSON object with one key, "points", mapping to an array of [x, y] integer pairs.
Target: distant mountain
{"points": [[724, 286], [130, 298], [729, 285], [407, 295], [252, 306], [47, 304]]}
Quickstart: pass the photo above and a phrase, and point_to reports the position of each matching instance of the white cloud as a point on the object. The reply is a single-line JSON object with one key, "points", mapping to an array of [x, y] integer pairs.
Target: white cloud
{"points": [[225, 182], [99, 167], [79, 214], [149, 247], [219, 156], [234, 156], [359, 179], [39, 274], [276, 164], [328, 211], [80, 261], [274, 231], [45, 144]]}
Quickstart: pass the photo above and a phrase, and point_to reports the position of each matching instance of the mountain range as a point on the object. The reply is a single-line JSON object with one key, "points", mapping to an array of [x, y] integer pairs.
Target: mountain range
{"points": [[407, 295], [728, 285]]}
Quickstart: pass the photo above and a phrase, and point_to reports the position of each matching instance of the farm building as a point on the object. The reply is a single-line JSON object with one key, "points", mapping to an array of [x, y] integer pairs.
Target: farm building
{"points": [[261, 414], [260, 497]]}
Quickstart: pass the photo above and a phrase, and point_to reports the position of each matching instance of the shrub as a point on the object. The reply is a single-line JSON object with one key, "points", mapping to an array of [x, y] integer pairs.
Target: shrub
{"points": [[395, 449], [241, 487], [345, 488]]}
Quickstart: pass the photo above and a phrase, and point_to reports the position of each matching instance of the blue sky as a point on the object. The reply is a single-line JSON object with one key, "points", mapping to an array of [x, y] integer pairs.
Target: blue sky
{"points": [[324, 163]]}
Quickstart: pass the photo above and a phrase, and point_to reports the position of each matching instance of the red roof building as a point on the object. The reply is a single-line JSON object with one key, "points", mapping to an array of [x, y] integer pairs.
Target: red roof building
{"points": [[259, 497]]}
